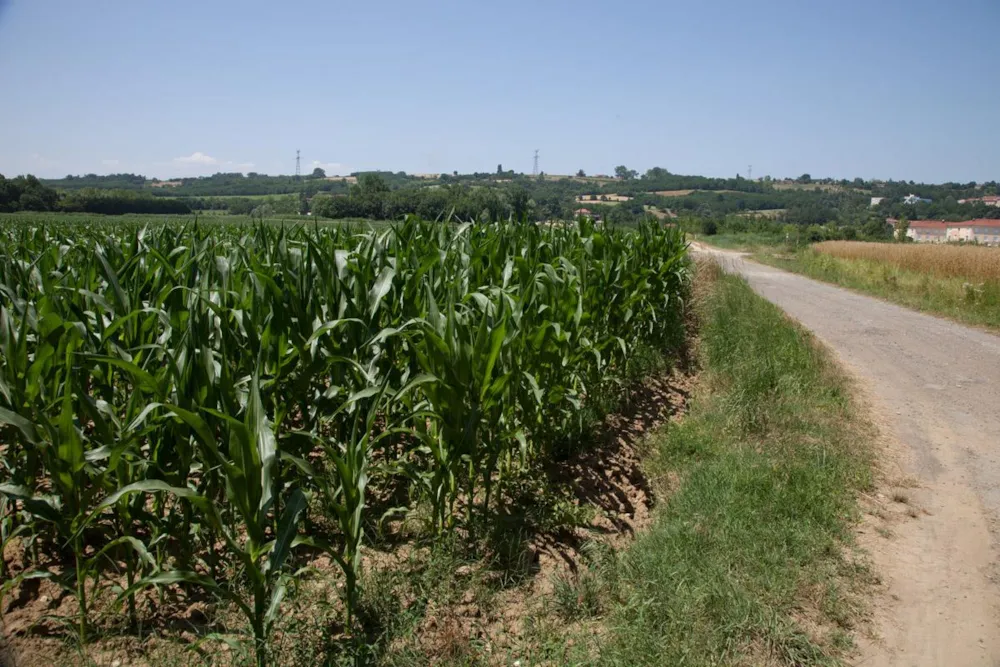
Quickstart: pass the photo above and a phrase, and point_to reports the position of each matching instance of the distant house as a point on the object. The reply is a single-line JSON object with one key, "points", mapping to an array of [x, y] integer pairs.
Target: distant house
{"points": [[914, 199], [876, 201], [989, 200], [928, 231], [982, 230], [582, 211]]}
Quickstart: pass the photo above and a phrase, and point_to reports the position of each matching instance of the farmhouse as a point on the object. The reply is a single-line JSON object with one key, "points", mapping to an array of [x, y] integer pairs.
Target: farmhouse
{"points": [[928, 231], [989, 200], [983, 231], [914, 199]]}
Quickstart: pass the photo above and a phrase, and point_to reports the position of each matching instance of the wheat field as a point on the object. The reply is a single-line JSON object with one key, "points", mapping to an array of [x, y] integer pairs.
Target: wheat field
{"points": [[974, 263]]}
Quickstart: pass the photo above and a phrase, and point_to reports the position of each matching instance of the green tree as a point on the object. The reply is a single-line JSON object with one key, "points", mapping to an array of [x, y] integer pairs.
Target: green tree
{"points": [[581, 174], [804, 178], [499, 169], [520, 203], [318, 173], [902, 226], [623, 173], [370, 184]]}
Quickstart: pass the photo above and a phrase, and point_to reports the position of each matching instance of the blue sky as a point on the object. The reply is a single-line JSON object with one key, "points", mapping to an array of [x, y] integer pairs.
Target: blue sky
{"points": [[878, 88]]}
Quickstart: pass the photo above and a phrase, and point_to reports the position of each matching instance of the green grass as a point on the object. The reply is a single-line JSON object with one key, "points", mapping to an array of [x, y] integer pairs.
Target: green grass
{"points": [[964, 301], [209, 217], [749, 560], [749, 241]]}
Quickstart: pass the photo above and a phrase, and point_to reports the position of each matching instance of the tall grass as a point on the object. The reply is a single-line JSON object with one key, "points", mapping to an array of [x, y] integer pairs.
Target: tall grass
{"points": [[972, 263], [752, 541], [954, 281]]}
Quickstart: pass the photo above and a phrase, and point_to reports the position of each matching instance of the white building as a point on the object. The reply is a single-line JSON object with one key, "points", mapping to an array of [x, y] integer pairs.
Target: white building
{"points": [[914, 199], [928, 231], [983, 230]]}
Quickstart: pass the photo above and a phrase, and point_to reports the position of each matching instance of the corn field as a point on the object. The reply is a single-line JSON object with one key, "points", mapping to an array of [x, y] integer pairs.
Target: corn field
{"points": [[197, 406]]}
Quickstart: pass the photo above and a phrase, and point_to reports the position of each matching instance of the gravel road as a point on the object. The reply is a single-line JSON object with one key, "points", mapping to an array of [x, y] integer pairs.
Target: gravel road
{"points": [[935, 390]]}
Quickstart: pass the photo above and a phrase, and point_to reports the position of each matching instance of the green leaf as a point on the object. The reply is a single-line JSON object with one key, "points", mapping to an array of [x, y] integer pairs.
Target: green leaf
{"points": [[496, 342], [287, 529], [381, 287], [44, 507], [145, 381], [26, 428]]}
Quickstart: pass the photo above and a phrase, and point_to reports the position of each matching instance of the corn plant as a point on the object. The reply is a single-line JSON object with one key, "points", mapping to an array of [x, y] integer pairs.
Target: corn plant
{"points": [[174, 396]]}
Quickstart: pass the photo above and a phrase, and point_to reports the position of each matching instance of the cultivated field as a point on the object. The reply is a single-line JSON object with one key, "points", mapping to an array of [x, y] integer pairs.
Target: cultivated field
{"points": [[770, 213], [961, 282], [607, 199], [825, 187], [684, 193], [976, 263], [203, 425]]}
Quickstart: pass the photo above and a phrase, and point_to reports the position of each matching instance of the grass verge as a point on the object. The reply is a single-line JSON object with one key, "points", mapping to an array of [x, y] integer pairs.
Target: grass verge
{"points": [[750, 560], [745, 241], [975, 302]]}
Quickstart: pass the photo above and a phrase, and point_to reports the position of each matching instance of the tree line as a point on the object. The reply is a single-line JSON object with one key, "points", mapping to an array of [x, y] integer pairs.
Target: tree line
{"points": [[28, 193], [373, 198]]}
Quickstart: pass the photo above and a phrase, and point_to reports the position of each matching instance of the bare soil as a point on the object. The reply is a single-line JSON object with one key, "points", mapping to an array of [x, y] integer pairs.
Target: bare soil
{"points": [[608, 477]]}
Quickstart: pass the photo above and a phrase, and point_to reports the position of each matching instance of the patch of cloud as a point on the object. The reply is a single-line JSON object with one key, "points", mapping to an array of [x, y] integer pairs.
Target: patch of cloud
{"points": [[197, 158], [110, 163]]}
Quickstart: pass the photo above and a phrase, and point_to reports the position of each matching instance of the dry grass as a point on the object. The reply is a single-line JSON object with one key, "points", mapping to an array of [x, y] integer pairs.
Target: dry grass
{"points": [[770, 213], [826, 187], [673, 193], [975, 263], [609, 199]]}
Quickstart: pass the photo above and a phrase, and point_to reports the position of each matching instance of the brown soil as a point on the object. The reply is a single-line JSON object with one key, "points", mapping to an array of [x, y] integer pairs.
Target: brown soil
{"points": [[608, 477]]}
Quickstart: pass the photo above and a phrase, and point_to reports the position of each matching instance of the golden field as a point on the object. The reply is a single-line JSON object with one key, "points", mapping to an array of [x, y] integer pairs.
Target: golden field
{"points": [[975, 263]]}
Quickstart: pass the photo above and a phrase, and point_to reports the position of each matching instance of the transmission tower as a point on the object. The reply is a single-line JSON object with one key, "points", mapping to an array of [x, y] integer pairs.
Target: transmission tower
{"points": [[298, 165], [534, 172], [750, 173]]}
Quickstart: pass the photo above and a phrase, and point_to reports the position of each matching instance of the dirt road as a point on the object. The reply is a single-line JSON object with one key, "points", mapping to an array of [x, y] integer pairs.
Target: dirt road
{"points": [[935, 386]]}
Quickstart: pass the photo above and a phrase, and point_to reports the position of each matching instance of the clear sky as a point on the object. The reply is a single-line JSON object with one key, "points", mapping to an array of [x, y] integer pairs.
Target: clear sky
{"points": [[904, 89]]}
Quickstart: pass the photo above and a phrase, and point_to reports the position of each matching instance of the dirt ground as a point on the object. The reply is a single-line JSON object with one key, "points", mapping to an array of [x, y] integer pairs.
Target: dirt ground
{"points": [[932, 524]]}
